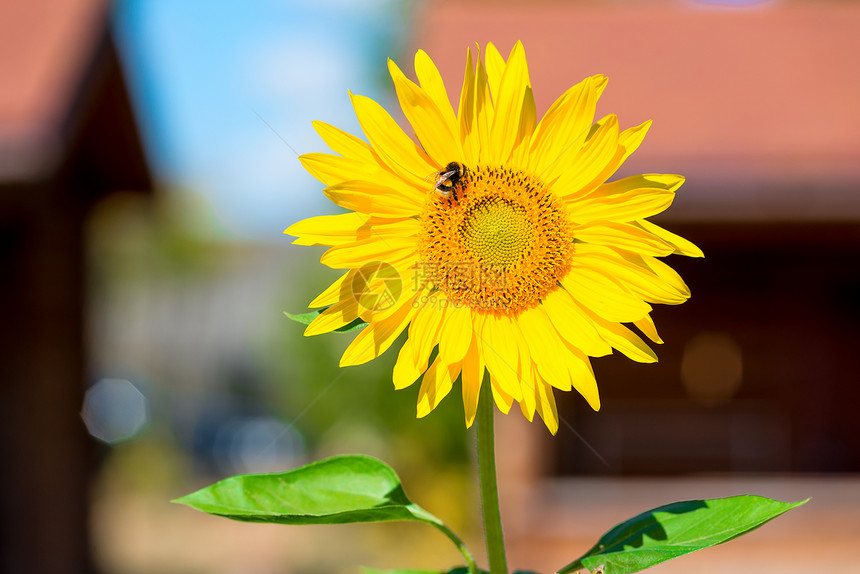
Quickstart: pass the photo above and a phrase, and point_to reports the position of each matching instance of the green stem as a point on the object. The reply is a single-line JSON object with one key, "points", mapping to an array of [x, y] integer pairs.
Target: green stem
{"points": [[489, 490], [470, 561]]}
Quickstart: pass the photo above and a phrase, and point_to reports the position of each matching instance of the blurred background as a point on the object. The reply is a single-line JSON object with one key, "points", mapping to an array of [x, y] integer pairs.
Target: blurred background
{"points": [[148, 166]]}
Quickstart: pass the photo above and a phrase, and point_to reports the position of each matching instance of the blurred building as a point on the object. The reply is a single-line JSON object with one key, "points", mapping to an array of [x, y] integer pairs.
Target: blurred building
{"points": [[67, 138]]}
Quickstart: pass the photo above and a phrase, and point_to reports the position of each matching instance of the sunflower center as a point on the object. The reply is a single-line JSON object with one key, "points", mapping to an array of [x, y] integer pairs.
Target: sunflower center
{"points": [[496, 232], [497, 243]]}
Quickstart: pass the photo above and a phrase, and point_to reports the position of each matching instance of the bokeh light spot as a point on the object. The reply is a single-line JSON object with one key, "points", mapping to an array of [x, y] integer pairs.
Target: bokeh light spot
{"points": [[712, 368], [114, 410]]}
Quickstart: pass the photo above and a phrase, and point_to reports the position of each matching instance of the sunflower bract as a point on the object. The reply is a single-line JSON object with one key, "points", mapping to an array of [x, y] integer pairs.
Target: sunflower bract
{"points": [[495, 239]]}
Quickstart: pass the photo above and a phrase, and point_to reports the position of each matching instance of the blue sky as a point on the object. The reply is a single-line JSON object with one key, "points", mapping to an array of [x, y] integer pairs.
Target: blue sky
{"points": [[217, 85]]}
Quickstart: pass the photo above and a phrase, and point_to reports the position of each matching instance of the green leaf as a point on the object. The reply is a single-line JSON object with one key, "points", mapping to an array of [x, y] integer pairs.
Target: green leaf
{"points": [[338, 490], [675, 529], [307, 318]]}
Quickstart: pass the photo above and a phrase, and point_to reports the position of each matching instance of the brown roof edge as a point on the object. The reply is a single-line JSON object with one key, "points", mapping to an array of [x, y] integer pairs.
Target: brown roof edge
{"points": [[51, 51]]}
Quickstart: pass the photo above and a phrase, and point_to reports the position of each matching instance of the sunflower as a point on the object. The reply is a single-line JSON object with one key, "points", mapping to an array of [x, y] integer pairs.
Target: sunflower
{"points": [[495, 240]]}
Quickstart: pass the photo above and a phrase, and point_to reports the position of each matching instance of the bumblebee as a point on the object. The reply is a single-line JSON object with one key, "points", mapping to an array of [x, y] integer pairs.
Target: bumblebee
{"points": [[448, 178]]}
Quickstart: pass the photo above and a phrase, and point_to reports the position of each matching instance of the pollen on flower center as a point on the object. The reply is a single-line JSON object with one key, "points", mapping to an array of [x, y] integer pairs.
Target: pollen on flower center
{"points": [[496, 231], [498, 244]]}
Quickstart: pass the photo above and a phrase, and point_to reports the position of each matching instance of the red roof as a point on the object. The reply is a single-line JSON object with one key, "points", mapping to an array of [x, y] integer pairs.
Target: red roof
{"points": [[758, 106], [46, 47]]}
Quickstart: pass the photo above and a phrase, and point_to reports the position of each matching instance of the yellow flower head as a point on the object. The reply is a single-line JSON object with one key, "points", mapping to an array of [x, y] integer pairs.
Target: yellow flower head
{"points": [[495, 239]]}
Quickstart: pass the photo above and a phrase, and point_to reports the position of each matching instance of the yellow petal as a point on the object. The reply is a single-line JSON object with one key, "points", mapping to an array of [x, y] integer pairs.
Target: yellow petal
{"points": [[526, 368], [502, 399], [370, 250], [566, 124], [646, 325], [394, 147], [578, 168], [500, 353], [455, 336], [529, 400], [377, 288], [623, 339], [513, 90], [631, 138], [385, 228], [373, 199], [682, 246], [545, 346], [437, 383], [626, 236], [546, 407], [597, 292], [425, 330], [582, 376], [406, 371], [528, 118], [638, 273], [345, 143], [664, 272], [484, 117], [468, 119], [431, 80], [340, 314], [308, 241], [495, 66], [472, 376], [328, 229], [628, 141], [573, 325], [375, 339], [334, 169], [429, 124], [627, 199], [335, 292], [347, 227]]}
